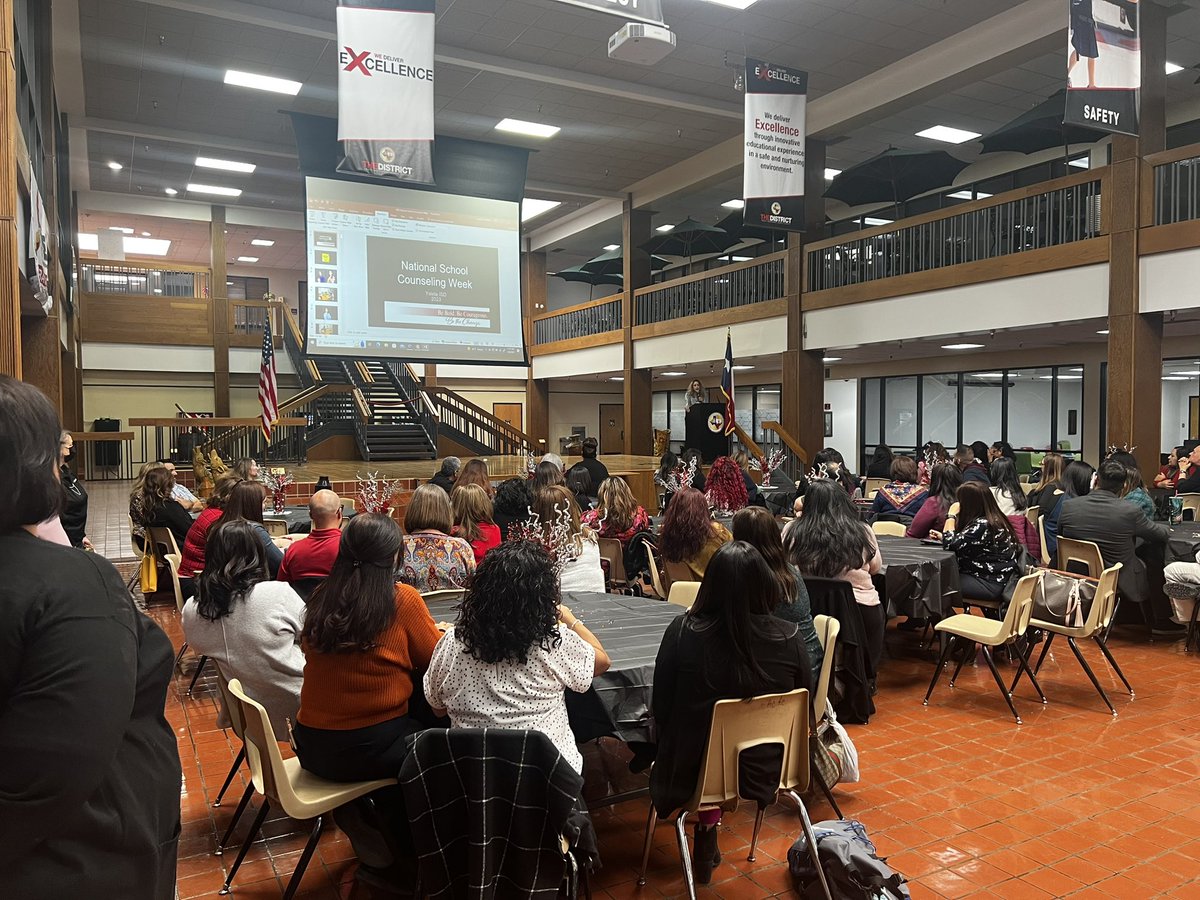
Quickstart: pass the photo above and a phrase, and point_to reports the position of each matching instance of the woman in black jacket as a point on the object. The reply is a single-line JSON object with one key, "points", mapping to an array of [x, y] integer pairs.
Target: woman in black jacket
{"points": [[90, 778], [728, 645], [75, 499], [160, 509]]}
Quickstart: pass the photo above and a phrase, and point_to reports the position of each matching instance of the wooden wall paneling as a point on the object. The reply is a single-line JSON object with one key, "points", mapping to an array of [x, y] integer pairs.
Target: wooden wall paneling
{"points": [[121, 319], [1165, 238], [591, 340], [220, 313], [41, 357]]}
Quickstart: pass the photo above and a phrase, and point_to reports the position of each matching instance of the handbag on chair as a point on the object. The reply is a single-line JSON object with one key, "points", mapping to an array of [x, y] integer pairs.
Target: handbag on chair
{"points": [[1063, 598], [148, 573]]}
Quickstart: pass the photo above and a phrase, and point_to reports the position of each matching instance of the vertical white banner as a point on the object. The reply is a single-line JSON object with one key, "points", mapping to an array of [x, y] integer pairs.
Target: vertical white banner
{"points": [[1104, 65], [773, 166]]}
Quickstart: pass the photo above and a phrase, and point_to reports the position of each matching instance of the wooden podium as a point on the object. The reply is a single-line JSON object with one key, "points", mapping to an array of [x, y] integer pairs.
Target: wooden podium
{"points": [[704, 429]]}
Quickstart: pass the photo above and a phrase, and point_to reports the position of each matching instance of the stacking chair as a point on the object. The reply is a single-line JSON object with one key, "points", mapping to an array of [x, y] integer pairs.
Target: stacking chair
{"points": [[441, 603], [675, 571], [163, 540], [683, 593], [1192, 502], [276, 527], [1094, 627], [738, 725], [1084, 554], [238, 725], [173, 562], [1033, 513], [990, 633], [874, 484], [827, 628], [300, 794], [611, 549], [1041, 526], [656, 579], [891, 529]]}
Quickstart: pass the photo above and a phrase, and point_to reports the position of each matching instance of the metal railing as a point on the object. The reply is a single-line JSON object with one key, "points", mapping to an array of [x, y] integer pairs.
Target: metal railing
{"points": [[742, 284], [582, 322], [423, 409], [997, 227], [232, 438], [247, 317], [480, 426], [130, 278], [1177, 191]]}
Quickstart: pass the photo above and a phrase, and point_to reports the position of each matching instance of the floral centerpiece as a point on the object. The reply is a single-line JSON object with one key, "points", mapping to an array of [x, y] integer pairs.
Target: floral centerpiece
{"points": [[768, 464], [277, 483], [557, 537], [681, 478], [375, 493], [531, 466]]}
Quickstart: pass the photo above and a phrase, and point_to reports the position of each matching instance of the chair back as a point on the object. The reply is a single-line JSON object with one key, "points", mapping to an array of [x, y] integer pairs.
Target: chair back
{"points": [[1190, 501], [611, 549], [1027, 487], [655, 574], [237, 720], [1033, 514], [738, 725], [1105, 604], [305, 586], [1082, 553], [676, 571], [828, 595], [1020, 608], [139, 552], [262, 750], [683, 593], [874, 484], [828, 629], [163, 540], [173, 561], [1041, 526], [276, 527], [891, 529]]}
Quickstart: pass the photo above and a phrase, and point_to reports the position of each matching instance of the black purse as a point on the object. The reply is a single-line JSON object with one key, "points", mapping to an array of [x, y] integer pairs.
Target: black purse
{"points": [[1063, 598]]}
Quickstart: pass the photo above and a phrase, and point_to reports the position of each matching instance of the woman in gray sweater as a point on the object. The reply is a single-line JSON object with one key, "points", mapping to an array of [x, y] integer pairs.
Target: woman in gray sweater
{"points": [[250, 625]]}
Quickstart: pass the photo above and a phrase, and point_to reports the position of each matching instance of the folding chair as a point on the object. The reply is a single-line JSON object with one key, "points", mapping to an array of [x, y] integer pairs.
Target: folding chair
{"points": [[683, 593], [891, 529], [611, 550], [656, 579]]}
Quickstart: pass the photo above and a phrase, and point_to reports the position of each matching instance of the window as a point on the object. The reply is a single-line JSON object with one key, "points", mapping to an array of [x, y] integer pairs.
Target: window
{"points": [[939, 409], [244, 287], [900, 413], [1030, 398], [766, 409], [982, 406]]}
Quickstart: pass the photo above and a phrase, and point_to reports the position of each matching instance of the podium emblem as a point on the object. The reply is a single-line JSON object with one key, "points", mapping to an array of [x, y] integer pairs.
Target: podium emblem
{"points": [[716, 423]]}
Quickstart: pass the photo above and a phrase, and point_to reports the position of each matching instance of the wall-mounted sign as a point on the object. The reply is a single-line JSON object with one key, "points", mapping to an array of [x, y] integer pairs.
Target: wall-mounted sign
{"points": [[773, 167]]}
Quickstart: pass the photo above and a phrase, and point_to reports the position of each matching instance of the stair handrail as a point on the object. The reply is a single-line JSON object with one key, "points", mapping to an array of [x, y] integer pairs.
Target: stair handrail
{"points": [[790, 442], [748, 442], [503, 429], [306, 396], [421, 390], [293, 339]]}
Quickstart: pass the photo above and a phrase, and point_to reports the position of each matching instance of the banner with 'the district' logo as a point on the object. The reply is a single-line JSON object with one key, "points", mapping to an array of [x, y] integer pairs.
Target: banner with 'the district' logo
{"points": [[385, 88], [773, 179]]}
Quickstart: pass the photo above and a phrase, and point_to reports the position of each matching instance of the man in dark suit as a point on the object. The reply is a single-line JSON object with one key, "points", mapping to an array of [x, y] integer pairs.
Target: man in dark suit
{"points": [[1115, 526]]}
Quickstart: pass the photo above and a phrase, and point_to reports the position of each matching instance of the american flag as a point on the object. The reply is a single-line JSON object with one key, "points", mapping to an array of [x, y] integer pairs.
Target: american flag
{"points": [[268, 396], [727, 385]]}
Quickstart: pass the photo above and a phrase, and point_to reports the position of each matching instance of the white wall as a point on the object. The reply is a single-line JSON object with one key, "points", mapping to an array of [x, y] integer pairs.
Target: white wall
{"points": [[841, 394], [578, 405], [1176, 397], [1168, 281], [708, 344], [586, 361], [246, 360], [145, 358]]}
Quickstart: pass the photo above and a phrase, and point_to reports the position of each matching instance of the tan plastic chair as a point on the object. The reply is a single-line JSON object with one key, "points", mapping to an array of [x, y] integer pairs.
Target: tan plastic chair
{"points": [[276, 527], [238, 725], [676, 571], [683, 593], [656, 579], [874, 484], [1085, 553], [441, 603], [1192, 502], [300, 794], [1095, 626], [891, 529], [163, 540], [1033, 514], [989, 633], [1027, 487], [173, 562], [827, 628], [1041, 526], [611, 549], [738, 725]]}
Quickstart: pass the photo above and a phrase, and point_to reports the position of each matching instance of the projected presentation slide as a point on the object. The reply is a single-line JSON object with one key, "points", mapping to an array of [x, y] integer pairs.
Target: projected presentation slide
{"points": [[414, 275]]}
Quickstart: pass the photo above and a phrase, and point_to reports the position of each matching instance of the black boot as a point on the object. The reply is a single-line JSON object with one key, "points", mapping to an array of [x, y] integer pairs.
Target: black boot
{"points": [[704, 848]]}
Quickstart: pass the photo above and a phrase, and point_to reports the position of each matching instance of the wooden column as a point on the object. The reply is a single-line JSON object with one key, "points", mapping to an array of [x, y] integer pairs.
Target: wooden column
{"points": [[41, 353], [219, 301], [802, 409], [431, 375], [1134, 338], [638, 431], [537, 391], [10, 207]]}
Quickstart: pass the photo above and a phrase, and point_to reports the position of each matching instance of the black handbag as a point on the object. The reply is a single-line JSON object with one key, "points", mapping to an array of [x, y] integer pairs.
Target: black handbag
{"points": [[1063, 598]]}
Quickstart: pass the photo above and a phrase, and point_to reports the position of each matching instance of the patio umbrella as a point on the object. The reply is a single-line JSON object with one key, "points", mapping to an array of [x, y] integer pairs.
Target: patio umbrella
{"points": [[894, 176], [739, 231], [591, 279], [613, 263], [1039, 129], [690, 237]]}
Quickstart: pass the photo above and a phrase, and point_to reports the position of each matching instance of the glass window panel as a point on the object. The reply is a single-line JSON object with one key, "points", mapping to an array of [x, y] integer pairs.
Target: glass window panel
{"points": [[939, 410], [678, 425], [743, 404], [870, 423], [768, 409], [900, 413], [982, 402], [1029, 403], [1070, 399], [658, 410]]}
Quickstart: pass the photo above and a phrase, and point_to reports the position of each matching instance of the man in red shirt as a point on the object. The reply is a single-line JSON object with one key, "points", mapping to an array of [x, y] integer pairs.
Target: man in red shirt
{"points": [[313, 556]]}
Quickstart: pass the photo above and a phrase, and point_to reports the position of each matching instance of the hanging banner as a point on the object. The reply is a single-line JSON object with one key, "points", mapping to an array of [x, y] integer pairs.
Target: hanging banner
{"points": [[39, 246], [638, 10], [1104, 65], [773, 168], [385, 88]]}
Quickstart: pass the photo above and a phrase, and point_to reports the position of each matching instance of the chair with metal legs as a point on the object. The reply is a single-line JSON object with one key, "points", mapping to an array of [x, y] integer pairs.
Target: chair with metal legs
{"points": [[827, 628]]}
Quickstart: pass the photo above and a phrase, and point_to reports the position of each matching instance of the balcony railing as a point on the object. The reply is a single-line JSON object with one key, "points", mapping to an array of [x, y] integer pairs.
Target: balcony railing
{"points": [[580, 321], [1051, 214], [1177, 187], [247, 317], [742, 284], [111, 277]]}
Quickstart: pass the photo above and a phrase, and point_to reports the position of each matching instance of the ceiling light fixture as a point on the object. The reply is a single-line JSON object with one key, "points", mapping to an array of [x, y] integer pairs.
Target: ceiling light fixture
{"points": [[734, 204], [145, 234], [962, 346], [1174, 378], [969, 195], [134, 246], [170, 192], [531, 207], [1102, 331], [873, 220], [225, 165], [986, 375], [742, 368], [617, 378], [120, 229], [262, 82], [611, 247], [247, 259], [262, 242], [1190, 372], [831, 359], [672, 374], [214, 189], [663, 229], [948, 135], [529, 129], [1172, 68], [1077, 369], [115, 166], [1081, 162], [831, 174], [741, 258], [1061, 377], [734, 4]]}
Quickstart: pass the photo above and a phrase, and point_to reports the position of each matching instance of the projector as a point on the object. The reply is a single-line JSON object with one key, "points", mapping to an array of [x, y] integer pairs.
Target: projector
{"points": [[641, 43]]}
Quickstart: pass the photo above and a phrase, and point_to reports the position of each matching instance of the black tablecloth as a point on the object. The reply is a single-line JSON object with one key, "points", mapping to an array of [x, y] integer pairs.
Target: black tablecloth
{"points": [[921, 580], [1184, 542], [297, 518]]}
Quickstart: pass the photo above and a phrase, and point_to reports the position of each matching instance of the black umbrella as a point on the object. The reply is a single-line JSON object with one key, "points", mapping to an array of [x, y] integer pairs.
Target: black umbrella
{"points": [[690, 237], [613, 263], [739, 230], [1039, 129], [894, 176], [591, 279]]}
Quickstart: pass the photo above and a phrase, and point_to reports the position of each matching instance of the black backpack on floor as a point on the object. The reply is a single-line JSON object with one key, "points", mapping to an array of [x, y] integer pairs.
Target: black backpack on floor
{"points": [[851, 867]]}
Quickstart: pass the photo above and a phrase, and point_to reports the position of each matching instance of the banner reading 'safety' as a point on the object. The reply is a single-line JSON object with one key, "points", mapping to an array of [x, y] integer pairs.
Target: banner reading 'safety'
{"points": [[385, 88], [773, 179], [1104, 65]]}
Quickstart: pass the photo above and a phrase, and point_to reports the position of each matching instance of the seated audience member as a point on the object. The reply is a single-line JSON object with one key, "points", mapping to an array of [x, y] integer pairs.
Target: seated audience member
{"points": [[753, 496], [1189, 473], [446, 475], [688, 534], [983, 540], [970, 466], [186, 498], [1134, 489], [476, 472], [618, 514], [1048, 478], [982, 453], [246, 502], [511, 504], [548, 474], [193, 549], [313, 556], [433, 560], [1076, 481], [89, 766], [669, 469], [579, 483], [758, 528], [725, 489], [880, 465], [1006, 487], [727, 646], [73, 512], [366, 641], [137, 515], [160, 510], [831, 541], [943, 493], [933, 454], [515, 677], [246, 469], [473, 519], [1182, 586], [582, 571], [902, 495], [556, 459], [835, 465], [1168, 475], [1115, 527], [595, 469], [249, 624], [1001, 450], [691, 455]]}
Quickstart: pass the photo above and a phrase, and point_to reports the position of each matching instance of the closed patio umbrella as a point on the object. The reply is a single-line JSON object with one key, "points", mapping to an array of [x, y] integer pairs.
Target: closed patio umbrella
{"points": [[591, 279], [894, 176], [689, 238]]}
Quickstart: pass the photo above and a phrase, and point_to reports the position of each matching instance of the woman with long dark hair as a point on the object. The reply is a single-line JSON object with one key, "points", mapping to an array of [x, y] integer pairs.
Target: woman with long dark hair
{"points": [[246, 503], [514, 676], [880, 465], [548, 474], [943, 493], [1168, 475], [831, 541], [476, 472], [983, 540], [511, 504], [757, 527], [159, 509], [1134, 489], [728, 645], [688, 533], [1076, 482], [248, 623], [579, 483], [193, 549], [835, 465], [1048, 478], [1006, 487]]}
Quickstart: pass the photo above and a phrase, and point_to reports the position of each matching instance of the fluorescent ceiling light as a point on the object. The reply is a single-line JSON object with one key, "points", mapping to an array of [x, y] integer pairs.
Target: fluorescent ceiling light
{"points": [[120, 229], [1061, 377], [225, 165], [734, 204], [262, 242], [134, 246], [734, 4], [170, 192], [262, 82], [831, 359], [531, 207], [872, 220], [831, 174], [115, 166], [665, 228], [1102, 331], [742, 368], [1172, 68], [968, 195], [611, 247], [214, 189], [529, 129], [247, 259], [1081, 162], [962, 346], [672, 374], [986, 375], [1174, 378], [741, 258], [1077, 369], [1196, 372], [617, 378], [948, 135], [145, 234]]}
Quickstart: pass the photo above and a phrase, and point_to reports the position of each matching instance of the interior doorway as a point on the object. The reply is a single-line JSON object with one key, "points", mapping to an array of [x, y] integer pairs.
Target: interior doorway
{"points": [[510, 413], [612, 428]]}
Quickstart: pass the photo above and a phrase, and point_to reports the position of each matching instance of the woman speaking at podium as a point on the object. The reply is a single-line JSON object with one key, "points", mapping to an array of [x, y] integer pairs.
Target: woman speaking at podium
{"points": [[695, 394]]}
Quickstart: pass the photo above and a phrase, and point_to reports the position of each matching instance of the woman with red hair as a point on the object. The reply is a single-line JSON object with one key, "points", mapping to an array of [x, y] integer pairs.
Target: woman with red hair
{"points": [[726, 486], [688, 534]]}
